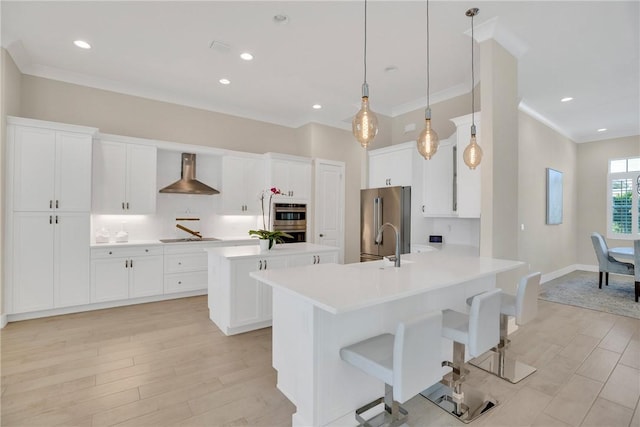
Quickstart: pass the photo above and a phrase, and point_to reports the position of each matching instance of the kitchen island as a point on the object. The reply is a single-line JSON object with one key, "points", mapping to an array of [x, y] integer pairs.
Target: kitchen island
{"points": [[317, 309], [237, 302]]}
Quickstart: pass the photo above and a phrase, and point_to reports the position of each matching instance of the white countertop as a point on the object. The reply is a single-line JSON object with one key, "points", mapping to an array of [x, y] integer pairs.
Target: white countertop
{"points": [[278, 250], [343, 288], [221, 241]]}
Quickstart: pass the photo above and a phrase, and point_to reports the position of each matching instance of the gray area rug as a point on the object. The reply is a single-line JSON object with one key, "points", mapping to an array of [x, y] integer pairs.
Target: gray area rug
{"points": [[580, 288]]}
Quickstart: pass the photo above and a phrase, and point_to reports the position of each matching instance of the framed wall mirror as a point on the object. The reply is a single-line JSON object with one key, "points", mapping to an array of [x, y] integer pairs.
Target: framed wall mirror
{"points": [[554, 197]]}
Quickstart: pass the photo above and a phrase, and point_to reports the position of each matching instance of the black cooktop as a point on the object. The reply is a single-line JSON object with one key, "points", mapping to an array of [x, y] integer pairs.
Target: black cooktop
{"points": [[189, 239]]}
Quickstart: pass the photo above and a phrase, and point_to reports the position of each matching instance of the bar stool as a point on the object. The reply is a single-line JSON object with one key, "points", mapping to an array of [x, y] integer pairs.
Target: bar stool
{"points": [[479, 331], [524, 307], [407, 363]]}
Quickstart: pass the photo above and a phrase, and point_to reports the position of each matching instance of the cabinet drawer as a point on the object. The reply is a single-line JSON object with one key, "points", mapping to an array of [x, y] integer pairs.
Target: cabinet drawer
{"points": [[182, 282], [185, 262], [130, 251]]}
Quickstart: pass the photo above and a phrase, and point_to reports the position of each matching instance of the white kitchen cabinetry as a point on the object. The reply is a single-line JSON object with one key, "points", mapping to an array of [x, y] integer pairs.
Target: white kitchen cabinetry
{"points": [[291, 175], [469, 181], [438, 184], [250, 299], [237, 302], [242, 182], [392, 166], [185, 268], [124, 177], [50, 260], [52, 170], [312, 258], [127, 272], [47, 217]]}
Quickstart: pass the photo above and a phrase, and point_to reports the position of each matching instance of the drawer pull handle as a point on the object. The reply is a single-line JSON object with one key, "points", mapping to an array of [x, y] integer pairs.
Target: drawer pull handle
{"points": [[126, 263], [260, 265], [179, 282], [265, 264]]}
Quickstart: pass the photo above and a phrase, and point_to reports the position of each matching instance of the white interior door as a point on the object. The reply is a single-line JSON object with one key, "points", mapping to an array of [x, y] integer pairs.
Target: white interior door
{"points": [[329, 204]]}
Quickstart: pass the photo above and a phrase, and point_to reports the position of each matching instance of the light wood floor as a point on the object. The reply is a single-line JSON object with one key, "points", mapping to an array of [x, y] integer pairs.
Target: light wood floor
{"points": [[165, 363]]}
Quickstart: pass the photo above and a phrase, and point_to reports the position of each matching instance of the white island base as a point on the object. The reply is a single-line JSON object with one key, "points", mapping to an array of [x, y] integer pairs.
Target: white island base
{"points": [[237, 302], [319, 309]]}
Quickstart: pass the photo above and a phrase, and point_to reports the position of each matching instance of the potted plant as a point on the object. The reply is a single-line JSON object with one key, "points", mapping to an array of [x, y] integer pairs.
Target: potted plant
{"points": [[271, 236], [264, 234]]}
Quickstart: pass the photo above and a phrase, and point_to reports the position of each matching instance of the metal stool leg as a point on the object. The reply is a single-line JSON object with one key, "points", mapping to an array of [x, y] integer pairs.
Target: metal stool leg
{"points": [[497, 362], [451, 394]]}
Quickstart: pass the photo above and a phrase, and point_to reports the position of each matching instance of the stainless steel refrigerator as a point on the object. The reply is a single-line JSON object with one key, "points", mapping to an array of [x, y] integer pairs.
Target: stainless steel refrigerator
{"points": [[380, 205]]}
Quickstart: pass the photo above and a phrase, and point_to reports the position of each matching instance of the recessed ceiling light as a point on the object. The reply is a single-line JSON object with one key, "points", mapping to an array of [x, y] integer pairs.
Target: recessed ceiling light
{"points": [[317, 106], [566, 99], [225, 81], [602, 130], [82, 44], [246, 56], [281, 19]]}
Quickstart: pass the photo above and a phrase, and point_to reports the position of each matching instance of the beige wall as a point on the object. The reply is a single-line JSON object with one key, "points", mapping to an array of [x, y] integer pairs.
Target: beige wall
{"points": [[10, 85], [441, 113], [591, 175], [546, 248], [120, 114]]}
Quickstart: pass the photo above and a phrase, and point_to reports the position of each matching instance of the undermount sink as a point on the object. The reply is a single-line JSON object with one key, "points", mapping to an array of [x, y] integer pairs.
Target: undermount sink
{"points": [[190, 239]]}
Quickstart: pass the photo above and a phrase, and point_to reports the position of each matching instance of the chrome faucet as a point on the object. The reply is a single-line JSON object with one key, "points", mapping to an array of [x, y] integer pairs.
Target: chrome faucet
{"points": [[379, 239]]}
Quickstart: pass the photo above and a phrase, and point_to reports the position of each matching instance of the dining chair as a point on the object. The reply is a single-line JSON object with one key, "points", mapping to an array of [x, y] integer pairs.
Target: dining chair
{"points": [[636, 259], [606, 263]]}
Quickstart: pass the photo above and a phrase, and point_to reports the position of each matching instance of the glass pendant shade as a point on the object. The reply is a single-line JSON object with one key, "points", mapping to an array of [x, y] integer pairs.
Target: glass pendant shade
{"points": [[365, 124], [428, 141], [473, 153]]}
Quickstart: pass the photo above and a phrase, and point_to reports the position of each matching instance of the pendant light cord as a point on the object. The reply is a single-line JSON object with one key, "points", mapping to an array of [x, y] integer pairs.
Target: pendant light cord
{"points": [[365, 41], [473, 99], [428, 61]]}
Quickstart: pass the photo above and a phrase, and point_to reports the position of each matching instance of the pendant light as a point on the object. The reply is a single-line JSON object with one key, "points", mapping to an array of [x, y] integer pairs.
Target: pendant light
{"points": [[365, 122], [428, 140], [473, 153]]}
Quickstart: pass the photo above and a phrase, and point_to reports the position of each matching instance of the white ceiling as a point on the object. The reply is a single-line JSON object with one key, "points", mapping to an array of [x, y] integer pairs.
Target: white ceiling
{"points": [[161, 50]]}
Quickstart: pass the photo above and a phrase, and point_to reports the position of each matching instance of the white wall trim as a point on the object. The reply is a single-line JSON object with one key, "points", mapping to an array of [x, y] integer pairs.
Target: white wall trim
{"points": [[566, 270], [3, 321], [99, 306]]}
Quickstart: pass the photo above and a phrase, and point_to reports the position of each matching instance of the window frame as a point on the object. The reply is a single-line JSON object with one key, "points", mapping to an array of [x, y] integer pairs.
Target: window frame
{"points": [[634, 176]]}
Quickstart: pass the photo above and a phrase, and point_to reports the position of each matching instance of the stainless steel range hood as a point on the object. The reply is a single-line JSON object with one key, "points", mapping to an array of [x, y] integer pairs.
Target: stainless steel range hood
{"points": [[188, 184]]}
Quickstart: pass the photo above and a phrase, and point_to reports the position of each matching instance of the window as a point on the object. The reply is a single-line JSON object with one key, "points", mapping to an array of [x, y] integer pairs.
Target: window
{"points": [[623, 192]]}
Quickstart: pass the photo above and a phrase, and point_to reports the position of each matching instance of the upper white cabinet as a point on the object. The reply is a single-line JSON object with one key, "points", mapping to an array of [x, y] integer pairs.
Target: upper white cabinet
{"points": [[124, 177], [52, 169], [438, 173], [391, 166], [242, 182], [469, 183], [291, 175]]}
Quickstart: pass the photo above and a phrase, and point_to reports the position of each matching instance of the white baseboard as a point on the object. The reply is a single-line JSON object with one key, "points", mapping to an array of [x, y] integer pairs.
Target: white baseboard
{"points": [[566, 270], [3, 321]]}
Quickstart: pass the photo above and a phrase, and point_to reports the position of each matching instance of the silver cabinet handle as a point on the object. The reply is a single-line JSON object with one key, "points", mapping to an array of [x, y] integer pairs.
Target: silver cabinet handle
{"points": [[50, 219], [126, 263], [131, 263], [422, 208], [260, 265], [122, 205], [127, 205], [56, 219], [56, 204], [50, 204], [265, 264]]}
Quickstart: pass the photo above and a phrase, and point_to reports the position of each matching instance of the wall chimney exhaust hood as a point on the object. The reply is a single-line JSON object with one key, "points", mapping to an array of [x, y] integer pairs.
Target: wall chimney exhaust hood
{"points": [[188, 184]]}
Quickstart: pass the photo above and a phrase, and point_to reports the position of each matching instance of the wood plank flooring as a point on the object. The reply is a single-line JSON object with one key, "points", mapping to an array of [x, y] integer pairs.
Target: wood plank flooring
{"points": [[166, 364]]}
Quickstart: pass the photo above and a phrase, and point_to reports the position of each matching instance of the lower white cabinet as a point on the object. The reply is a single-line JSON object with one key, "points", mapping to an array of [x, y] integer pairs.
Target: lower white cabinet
{"points": [[239, 303], [185, 268], [312, 258], [127, 272], [50, 260], [250, 299]]}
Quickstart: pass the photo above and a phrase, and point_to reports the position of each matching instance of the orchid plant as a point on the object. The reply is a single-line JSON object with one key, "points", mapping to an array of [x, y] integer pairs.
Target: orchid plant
{"points": [[265, 233]]}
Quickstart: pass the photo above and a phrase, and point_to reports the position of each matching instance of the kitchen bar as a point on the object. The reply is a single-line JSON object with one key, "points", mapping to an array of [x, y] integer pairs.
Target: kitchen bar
{"points": [[318, 309]]}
